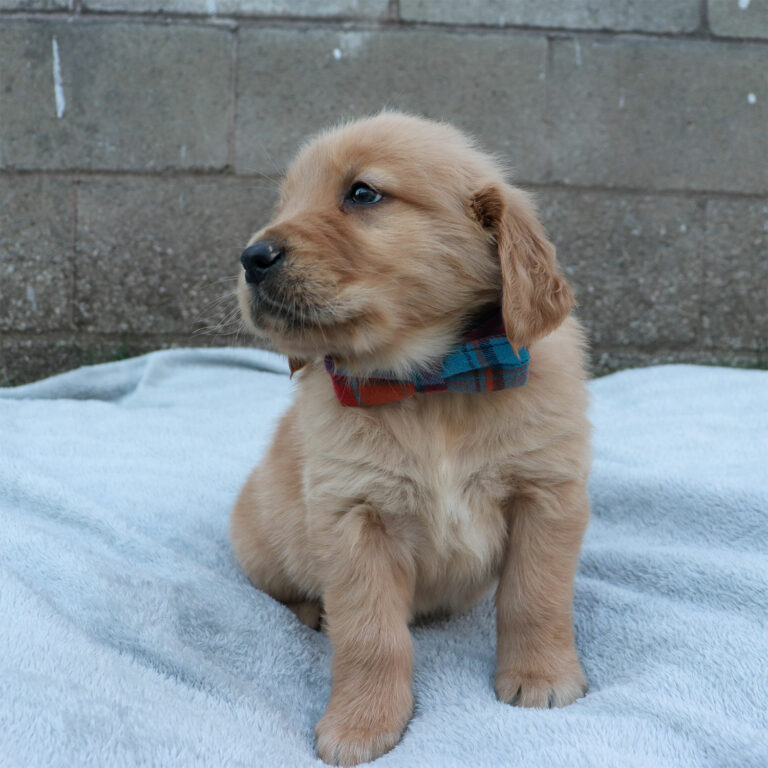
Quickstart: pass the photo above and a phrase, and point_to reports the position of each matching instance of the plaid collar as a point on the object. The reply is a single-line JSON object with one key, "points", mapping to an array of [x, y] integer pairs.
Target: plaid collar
{"points": [[483, 362]]}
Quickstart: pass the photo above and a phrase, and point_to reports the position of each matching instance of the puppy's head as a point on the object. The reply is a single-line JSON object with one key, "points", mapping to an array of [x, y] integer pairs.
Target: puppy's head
{"points": [[392, 234]]}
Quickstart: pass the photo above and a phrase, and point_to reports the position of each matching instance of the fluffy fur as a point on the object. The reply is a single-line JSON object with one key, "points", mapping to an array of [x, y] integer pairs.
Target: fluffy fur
{"points": [[376, 515]]}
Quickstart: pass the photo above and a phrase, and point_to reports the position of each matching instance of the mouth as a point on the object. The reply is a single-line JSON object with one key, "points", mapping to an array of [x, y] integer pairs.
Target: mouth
{"points": [[286, 312], [286, 309]]}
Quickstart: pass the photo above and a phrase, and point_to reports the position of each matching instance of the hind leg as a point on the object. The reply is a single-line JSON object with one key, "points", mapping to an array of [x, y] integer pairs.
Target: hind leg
{"points": [[268, 528], [309, 612]]}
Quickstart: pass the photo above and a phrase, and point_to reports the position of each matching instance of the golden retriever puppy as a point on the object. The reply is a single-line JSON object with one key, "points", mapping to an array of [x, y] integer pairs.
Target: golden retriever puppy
{"points": [[400, 482]]}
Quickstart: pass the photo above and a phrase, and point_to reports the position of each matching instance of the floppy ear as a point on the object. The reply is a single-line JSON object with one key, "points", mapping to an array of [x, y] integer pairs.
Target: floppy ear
{"points": [[535, 297]]}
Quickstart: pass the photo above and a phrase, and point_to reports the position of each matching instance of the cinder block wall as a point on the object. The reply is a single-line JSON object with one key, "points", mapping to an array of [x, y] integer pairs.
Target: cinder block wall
{"points": [[139, 140]]}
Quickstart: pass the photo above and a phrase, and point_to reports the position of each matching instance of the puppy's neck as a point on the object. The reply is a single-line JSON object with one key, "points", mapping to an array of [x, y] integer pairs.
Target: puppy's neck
{"points": [[419, 350], [423, 348]]}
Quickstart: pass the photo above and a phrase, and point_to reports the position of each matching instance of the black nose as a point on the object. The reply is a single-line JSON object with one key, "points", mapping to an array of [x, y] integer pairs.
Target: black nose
{"points": [[260, 257]]}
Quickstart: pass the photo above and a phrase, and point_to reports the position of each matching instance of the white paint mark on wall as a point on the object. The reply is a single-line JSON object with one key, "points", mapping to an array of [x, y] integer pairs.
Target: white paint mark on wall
{"points": [[58, 86], [351, 43], [744, 4], [337, 53], [32, 298], [183, 153], [577, 52], [751, 98], [212, 7], [621, 99]]}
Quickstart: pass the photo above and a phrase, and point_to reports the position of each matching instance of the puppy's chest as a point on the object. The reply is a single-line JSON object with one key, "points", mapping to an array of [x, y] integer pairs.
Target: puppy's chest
{"points": [[452, 490], [464, 509], [455, 486]]}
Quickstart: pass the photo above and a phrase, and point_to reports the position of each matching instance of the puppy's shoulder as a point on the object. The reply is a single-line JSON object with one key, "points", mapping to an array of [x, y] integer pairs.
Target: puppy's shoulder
{"points": [[561, 354]]}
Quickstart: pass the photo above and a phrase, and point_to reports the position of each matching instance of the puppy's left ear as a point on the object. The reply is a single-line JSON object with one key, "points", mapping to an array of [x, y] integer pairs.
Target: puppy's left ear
{"points": [[535, 297]]}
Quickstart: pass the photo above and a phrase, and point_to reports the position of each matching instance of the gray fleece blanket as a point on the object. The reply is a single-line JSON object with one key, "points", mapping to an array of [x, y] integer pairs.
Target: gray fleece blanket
{"points": [[129, 637]]}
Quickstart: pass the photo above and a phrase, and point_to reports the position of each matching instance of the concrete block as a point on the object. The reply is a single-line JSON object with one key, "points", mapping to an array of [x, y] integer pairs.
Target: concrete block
{"points": [[739, 18], [659, 114], [634, 262], [618, 15], [735, 261], [358, 9], [293, 82], [36, 5], [609, 360], [29, 359], [108, 95], [36, 250], [161, 255], [203, 7]]}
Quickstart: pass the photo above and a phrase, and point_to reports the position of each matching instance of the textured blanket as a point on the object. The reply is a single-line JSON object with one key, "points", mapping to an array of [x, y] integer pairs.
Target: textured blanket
{"points": [[129, 637]]}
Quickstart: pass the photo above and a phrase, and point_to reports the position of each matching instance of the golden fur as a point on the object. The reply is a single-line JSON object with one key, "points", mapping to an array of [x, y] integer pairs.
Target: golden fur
{"points": [[379, 514]]}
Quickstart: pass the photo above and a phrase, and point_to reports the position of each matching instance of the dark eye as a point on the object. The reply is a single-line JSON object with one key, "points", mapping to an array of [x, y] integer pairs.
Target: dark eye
{"points": [[361, 194]]}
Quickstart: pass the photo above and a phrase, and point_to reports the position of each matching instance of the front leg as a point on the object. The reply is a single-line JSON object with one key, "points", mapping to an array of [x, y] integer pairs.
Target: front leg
{"points": [[537, 665], [368, 595]]}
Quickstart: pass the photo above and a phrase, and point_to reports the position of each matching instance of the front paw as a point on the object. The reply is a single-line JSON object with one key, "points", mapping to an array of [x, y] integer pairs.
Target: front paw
{"points": [[521, 686], [352, 736]]}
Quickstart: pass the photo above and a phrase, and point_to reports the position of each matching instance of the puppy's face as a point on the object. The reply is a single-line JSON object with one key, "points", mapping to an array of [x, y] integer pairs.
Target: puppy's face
{"points": [[391, 234]]}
